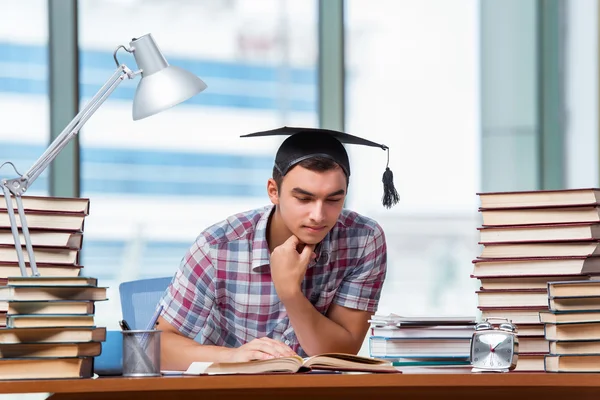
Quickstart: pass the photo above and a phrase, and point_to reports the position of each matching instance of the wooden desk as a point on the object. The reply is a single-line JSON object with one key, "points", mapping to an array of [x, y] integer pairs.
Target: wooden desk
{"points": [[510, 386]]}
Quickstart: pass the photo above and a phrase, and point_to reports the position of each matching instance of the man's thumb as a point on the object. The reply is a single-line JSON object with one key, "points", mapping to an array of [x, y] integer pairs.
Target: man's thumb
{"points": [[292, 241]]}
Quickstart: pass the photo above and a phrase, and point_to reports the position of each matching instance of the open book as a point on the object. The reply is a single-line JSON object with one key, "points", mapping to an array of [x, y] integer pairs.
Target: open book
{"points": [[329, 361]]}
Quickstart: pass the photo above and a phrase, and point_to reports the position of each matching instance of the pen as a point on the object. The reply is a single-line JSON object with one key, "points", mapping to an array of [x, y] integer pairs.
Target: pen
{"points": [[154, 318], [124, 325], [151, 325], [136, 346]]}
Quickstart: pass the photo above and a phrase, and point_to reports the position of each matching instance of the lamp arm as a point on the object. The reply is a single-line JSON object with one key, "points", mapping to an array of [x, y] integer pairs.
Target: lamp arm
{"points": [[18, 186], [15, 231]]}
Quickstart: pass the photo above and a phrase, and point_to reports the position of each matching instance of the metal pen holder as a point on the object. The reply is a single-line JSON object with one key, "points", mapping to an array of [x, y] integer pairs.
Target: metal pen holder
{"points": [[141, 353]]}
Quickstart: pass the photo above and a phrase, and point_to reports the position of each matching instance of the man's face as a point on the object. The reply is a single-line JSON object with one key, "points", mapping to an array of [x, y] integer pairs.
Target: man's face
{"points": [[310, 202]]}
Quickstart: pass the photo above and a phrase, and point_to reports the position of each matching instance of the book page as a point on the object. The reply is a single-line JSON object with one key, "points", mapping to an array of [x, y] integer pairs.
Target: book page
{"points": [[282, 364], [340, 359], [197, 368]]}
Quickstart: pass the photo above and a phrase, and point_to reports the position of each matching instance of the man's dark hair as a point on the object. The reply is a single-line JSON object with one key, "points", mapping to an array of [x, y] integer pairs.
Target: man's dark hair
{"points": [[317, 164]]}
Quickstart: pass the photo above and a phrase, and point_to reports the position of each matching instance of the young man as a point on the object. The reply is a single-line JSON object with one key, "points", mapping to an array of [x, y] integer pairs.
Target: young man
{"points": [[302, 275]]}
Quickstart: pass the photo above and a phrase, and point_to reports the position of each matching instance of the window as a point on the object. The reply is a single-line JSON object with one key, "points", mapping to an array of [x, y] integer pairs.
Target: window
{"points": [[412, 84], [24, 132], [155, 184]]}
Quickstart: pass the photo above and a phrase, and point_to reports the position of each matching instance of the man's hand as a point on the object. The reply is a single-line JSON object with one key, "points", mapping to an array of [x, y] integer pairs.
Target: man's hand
{"points": [[260, 349], [288, 266]]}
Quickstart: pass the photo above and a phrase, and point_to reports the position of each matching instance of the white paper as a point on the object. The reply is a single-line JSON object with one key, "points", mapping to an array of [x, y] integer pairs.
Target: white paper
{"points": [[197, 368]]}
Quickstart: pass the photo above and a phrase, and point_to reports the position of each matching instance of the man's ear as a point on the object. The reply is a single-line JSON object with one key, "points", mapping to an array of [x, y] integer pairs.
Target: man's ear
{"points": [[272, 191]]}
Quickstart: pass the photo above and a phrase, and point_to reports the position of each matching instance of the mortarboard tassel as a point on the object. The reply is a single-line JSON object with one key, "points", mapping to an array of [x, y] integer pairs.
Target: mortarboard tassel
{"points": [[390, 195]]}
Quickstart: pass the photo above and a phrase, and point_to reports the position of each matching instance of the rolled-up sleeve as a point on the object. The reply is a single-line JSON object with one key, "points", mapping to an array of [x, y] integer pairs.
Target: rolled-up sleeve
{"points": [[188, 300], [361, 288]]}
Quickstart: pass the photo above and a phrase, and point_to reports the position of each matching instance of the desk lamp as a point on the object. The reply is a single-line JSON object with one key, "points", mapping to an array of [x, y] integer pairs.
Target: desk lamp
{"points": [[161, 87]]}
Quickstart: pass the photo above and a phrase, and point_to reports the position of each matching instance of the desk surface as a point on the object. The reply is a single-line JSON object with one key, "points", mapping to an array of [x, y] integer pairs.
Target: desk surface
{"points": [[301, 386]]}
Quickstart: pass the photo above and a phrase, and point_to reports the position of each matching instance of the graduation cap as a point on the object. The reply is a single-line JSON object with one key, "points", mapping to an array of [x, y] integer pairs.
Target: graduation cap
{"points": [[306, 143]]}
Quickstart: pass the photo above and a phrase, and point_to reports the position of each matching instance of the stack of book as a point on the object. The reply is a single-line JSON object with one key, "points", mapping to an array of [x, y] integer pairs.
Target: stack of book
{"points": [[435, 342], [50, 330], [572, 326], [47, 323], [56, 231], [529, 239]]}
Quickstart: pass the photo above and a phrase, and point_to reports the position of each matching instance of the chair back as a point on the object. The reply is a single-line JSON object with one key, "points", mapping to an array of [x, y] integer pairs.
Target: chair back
{"points": [[139, 300]]}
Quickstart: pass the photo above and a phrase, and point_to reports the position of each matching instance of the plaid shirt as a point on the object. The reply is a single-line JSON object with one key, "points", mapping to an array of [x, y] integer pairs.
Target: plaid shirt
{"points": [[222, 293]]}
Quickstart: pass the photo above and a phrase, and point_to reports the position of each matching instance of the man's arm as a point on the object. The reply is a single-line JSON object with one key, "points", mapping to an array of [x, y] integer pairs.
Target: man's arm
{"points": [[186, 307], [187, 303], [178, 352], [344, 327], [341, 331]]}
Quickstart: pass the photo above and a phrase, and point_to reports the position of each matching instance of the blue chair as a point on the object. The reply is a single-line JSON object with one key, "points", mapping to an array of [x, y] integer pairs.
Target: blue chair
{"points": [[140, 298], [138, 303]]}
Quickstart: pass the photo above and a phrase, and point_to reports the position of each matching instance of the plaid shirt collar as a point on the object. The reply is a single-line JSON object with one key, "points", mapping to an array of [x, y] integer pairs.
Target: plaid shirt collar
{"points": [[261, 256]]}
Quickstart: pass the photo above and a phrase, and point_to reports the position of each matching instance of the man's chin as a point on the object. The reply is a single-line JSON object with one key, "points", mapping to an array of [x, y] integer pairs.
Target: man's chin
{"points": [[310, 239]]}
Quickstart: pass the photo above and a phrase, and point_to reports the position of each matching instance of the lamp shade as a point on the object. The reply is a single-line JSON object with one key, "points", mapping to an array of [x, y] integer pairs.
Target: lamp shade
{"points": [[162, 85]]}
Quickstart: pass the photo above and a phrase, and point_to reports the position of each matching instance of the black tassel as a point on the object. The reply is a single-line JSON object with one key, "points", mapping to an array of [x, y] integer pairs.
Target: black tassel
{"points": [[390, 195]]}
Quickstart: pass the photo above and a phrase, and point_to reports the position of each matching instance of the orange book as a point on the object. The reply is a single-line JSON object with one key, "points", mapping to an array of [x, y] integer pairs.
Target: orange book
{"points": [[545, 233], [52, 335], [76, 205], [45, 368], [45, 255], [517, 298], [46, 270], [543, 216], [487, 267], [50, 350], [41, 293], [42, 239], [47, 220], [49, 321]]}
